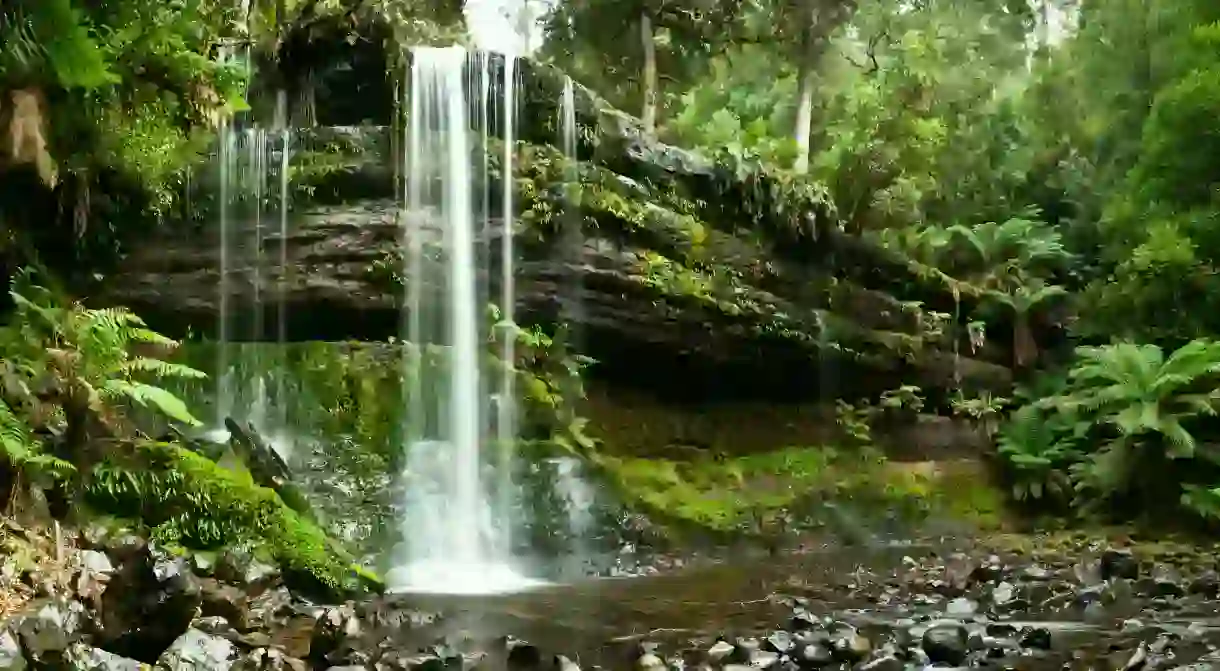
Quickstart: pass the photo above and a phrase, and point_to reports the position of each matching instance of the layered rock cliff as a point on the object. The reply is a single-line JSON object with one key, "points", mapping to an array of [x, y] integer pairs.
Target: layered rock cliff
{"points": [[698, 274]]}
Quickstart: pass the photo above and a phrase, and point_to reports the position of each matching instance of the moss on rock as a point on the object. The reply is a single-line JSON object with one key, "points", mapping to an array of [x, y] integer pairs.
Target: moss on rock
{"points": [[770, 492], [190, 500]]}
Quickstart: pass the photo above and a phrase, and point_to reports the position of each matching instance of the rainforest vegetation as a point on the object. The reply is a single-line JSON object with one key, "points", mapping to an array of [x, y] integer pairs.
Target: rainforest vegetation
{"points": [[1049, 154]]}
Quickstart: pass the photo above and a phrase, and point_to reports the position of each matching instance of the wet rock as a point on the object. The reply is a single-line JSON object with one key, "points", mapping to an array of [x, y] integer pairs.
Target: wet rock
{"points": [[945, 643], [93, 573], [203, 564], [125, 547], [46, 628], [1000, 629], [221, 600], [523, 656], [1138, 659], [1037, 638], [197, 651], [336, 635], [1088, 573], [11, 657], [1119, 563], [1002, 594], [991, 570], [803, 620], [887, 662], [747, 647], [150, 602], [1036, 573], [814, 656], [848, 645], [1206, 584], [779, 641], [267, 609], [1166, 581], [268, 659], [1095, 613], [961, 607], [721, 652], [217, 626], [650, 662], [81, 657], [240, 567], [294, 636], [764, 659]]}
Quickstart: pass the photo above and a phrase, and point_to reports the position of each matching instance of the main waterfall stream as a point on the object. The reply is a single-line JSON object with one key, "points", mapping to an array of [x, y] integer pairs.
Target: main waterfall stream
{"points": [[455, 540]]}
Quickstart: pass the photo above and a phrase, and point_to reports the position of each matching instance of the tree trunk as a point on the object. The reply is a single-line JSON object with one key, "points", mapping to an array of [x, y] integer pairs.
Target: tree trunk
{"points": [[804, 115], [821, 18], [649, 44], [1024, 346]]}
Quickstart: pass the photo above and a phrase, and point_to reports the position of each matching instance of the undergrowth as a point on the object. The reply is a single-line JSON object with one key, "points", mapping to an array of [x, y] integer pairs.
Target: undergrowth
{"points": [[189, 501], [71, 378]]}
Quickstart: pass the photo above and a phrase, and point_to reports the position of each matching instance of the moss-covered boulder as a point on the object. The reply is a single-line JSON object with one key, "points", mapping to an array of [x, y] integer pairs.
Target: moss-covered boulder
{"points": [[187, 500]]}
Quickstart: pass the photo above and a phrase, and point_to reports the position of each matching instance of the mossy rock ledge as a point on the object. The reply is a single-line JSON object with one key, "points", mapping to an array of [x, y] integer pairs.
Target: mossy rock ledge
{"points": [[693, 272]]}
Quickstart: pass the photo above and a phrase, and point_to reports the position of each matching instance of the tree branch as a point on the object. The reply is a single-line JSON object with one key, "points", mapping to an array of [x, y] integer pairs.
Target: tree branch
{"points": [[871, 52]]}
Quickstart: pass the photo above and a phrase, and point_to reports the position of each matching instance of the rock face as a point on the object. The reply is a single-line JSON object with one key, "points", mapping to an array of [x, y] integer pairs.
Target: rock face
{"points": [[701, 274]]}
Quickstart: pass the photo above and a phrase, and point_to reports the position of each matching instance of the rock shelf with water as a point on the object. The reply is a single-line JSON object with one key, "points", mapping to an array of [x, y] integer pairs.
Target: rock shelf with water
{"points": [[795, 305]]}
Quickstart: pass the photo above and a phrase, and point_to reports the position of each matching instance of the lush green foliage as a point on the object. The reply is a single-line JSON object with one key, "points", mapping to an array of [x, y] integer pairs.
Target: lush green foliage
{"points": [[69, 371], [1120, 431], [75, 384], [1069, 177]]}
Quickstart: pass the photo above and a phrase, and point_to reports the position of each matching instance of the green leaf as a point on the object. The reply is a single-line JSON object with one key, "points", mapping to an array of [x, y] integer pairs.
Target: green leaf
{"points": [[152, 397]]}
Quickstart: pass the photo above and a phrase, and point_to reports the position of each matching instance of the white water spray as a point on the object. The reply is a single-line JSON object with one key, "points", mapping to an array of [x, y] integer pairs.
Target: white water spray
{"points": [[455, 540]]}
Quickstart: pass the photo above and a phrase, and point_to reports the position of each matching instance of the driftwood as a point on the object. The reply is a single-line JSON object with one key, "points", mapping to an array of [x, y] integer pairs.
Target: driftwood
{"points": [[267, 467]]}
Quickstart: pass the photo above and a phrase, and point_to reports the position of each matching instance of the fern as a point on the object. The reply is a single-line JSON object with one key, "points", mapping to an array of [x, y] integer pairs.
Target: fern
{"points": [[1139, 404], [150, 397], [15, 440], [161, 369], [91, 349]]}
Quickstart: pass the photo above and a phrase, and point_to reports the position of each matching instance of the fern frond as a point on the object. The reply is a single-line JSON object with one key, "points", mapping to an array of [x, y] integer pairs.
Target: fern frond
{"points": [[162, 369], [151, 397], [15, 439]]}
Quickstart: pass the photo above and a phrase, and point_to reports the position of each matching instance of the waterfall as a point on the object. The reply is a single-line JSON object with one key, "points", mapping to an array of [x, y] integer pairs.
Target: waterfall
{"points": [[455, 540], [573, 235], [252, 194], [506, 397], [468, 512]]}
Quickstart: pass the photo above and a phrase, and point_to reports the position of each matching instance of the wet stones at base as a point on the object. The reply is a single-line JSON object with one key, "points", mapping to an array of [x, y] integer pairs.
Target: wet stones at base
{"points": [[125, 605]]}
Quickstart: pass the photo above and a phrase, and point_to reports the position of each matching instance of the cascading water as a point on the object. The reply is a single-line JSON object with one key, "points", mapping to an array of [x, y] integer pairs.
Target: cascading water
{"points": [[250, 386], [455, 541], [469, 512], [573, 234]]}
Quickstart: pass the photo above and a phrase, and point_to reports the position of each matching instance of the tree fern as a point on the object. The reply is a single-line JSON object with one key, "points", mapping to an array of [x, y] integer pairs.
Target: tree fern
{"points": [[91, 349], [1146, 400]]}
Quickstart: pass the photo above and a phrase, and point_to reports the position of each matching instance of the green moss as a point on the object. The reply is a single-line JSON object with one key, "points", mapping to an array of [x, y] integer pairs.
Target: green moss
{"points": [[190, 500], [755, 492], [957, 490]]}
